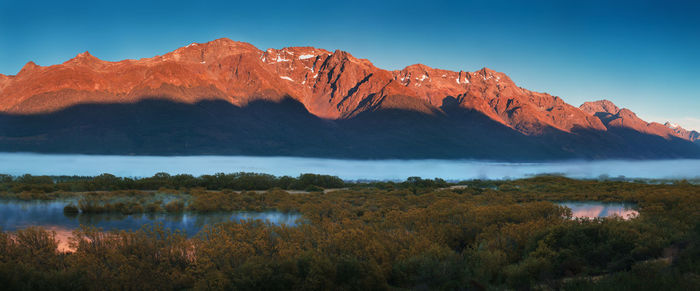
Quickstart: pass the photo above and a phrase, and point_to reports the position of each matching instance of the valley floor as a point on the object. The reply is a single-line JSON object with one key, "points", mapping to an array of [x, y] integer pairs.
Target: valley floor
{"points": [[417, 234]]}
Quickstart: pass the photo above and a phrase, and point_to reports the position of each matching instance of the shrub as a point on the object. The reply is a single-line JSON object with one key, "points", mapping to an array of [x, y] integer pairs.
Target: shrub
{"points": [[175, 206], [71, 209], [313, 188], [153, 207]]}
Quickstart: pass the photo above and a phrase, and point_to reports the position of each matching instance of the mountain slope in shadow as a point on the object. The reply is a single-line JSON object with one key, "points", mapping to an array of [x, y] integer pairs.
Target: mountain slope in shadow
{"points": [[286, 128]]}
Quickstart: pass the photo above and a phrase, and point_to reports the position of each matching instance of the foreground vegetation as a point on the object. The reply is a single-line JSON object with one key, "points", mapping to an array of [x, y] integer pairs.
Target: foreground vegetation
{"points": [[417, 234]]}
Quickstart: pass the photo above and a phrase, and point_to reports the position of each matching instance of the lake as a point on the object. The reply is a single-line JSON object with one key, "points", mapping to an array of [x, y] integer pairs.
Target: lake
{"points": [[594, 209], [142, 166]]}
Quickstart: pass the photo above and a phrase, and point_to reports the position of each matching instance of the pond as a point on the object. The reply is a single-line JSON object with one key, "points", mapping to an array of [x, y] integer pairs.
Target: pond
{"points": [[18, 214], [595, 209]]}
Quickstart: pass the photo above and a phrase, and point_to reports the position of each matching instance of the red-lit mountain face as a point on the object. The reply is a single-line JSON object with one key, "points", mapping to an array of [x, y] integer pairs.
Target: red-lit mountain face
{"points": [[333, 86], [614, 117], [690, 135]]}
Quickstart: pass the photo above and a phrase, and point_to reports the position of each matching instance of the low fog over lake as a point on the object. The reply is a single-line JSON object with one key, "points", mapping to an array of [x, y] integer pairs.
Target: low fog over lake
{"points": [[141, 166]]}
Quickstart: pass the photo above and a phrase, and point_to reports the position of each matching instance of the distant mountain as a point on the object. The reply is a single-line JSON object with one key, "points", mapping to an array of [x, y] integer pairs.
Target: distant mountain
{"points": [[690, 135], [614, 117], [227, 97]]}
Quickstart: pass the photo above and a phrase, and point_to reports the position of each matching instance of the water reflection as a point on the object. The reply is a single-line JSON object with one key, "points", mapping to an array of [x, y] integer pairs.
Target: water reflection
{"points": [[63, 236], [15, 214], [593, 209]]}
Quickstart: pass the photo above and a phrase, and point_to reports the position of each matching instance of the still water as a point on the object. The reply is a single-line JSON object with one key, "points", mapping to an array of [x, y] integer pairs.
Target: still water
{"points": [[593, 209], [16, 214], [142, 166]]}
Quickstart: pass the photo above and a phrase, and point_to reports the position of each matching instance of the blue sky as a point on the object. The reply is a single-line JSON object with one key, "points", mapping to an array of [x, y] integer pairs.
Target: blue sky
{"points": [[643, 55]]}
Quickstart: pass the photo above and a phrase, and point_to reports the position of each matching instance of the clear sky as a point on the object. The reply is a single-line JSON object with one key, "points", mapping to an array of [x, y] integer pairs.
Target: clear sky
{"points": [[643, 55]]}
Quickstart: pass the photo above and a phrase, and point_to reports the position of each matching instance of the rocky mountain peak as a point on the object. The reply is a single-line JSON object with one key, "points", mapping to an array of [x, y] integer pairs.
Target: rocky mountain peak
{"points": [[600, 106], [681, 132], [331, 85], [84, 58], [335, 86], [29, 67]]}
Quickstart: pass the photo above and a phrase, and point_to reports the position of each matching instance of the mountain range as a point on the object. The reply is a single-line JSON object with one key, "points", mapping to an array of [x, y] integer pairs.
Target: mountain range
{"points": [[228, 97]]}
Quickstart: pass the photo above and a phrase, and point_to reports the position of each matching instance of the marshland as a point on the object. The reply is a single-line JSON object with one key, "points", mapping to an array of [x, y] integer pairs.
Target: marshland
{"points": [[258, 231]]}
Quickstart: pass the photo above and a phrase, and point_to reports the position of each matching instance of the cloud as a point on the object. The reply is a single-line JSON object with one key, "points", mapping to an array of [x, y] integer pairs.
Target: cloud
{"points": [[690, 123], [687, 122]]}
